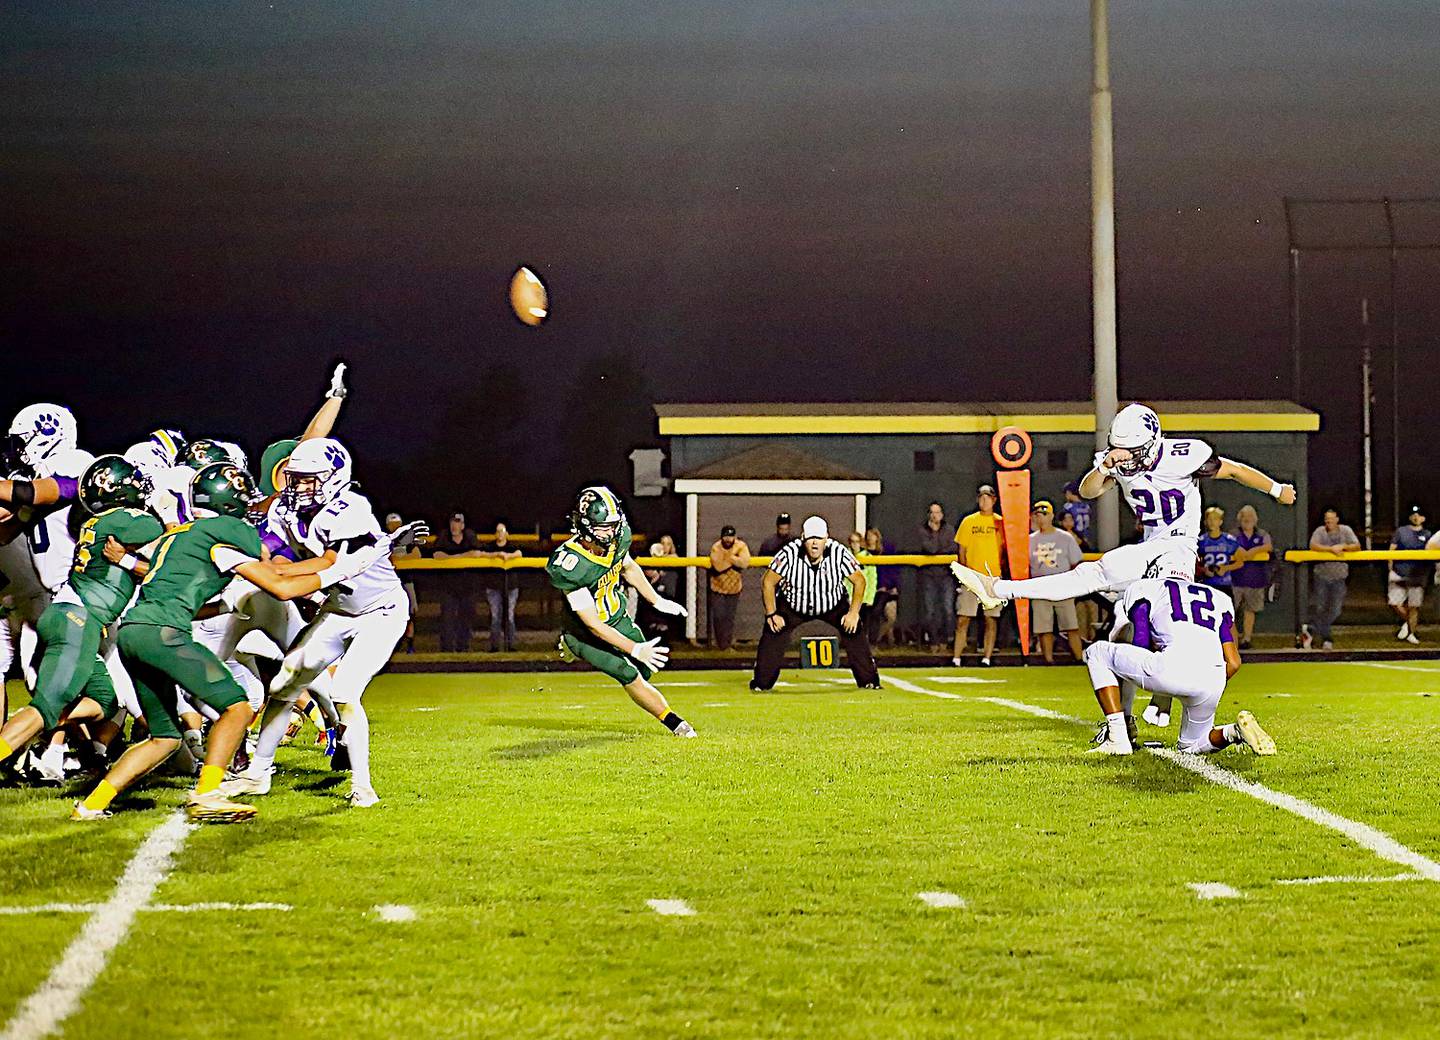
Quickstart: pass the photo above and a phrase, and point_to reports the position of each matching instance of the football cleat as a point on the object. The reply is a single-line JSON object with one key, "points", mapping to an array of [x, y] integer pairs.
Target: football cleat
{"points": [[685, 730], [214, 807], [1132, 730], [981, 585], [80, 813], [1253, 736], [1110, 746], [363, 798], [247, 783]]}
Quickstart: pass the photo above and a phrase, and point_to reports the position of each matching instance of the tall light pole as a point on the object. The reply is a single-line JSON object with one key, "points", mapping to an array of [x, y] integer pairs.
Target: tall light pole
{"points": [[1102, 255]]}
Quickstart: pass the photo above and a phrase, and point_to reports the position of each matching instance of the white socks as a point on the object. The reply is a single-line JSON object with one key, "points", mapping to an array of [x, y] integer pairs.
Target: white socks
{"points": [[357, 743], [1115, 728]]}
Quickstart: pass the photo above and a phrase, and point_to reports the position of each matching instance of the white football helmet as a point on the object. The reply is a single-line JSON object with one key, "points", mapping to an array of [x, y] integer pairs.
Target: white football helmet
{"points": [[1136, 428], [39, 432], [317, 472]]}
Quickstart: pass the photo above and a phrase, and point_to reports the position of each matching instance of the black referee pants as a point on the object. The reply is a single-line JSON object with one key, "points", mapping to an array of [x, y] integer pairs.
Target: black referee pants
{"points": [[773, 646]]}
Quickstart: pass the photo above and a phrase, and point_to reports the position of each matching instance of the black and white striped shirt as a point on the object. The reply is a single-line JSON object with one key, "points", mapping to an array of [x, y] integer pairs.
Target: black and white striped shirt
{"points": [[814, 588]]}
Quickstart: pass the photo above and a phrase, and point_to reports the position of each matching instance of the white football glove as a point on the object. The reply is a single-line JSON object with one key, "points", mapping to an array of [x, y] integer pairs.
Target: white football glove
{"points": [[651, 654], [406, 535], [669, 606], [337, 382]]}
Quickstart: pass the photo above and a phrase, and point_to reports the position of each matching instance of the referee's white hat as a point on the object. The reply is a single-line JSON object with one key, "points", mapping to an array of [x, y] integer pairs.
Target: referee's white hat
{"points": [[815, 527]]}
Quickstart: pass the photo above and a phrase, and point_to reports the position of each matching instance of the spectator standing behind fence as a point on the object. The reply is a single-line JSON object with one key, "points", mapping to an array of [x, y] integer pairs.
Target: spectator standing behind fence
{"points": [[1078, 510], [781, 538], [393, 522], [1327, 580], [1408, 578], [502, 590], [1250, 583], [1217, 549], [936, 585], [1053, 551], [887, 594], [667, 582], [867, 605], [814, 579], [979, 544], [457, 590], [729, 557]]}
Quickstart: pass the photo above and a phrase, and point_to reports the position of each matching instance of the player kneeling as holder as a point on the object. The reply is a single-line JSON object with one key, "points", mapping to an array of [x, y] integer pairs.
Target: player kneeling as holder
{"points": [[1193, 629]]}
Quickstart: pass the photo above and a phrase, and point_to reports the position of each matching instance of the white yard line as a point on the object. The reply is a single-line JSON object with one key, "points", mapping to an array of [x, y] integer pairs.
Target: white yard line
{"points": [[1349, 879], [1378, 842], [965, 679], [1213, 890], [84, 959], [1397, 667], [155, 908], [941, 900], [671, 907]]}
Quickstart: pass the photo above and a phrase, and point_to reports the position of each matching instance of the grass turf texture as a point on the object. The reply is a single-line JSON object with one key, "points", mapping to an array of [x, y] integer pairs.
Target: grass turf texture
{"points": [[528, 818]]}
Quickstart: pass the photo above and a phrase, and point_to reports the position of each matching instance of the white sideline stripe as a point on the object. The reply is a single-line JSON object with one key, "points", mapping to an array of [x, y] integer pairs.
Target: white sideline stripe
{"points": [[941, 900], [1378, 842], [1398, 667], [1362, 834], [1213, 890], [395, 913], [84, 959], [671, 907], [1348, 879], [962, 679], [156, 908]]}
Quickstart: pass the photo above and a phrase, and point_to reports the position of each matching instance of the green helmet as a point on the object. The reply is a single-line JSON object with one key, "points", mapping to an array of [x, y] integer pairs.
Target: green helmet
{"points": [[112, 481], [223, 488], [597, 516], [204, 452], [273, 458]]}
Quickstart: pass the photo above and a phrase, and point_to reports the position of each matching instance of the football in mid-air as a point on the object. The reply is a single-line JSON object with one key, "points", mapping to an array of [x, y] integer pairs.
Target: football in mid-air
{"points": [[528, 298]]}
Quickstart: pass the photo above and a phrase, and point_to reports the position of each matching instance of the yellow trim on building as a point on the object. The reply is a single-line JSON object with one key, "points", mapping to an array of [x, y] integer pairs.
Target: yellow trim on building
{"points": [[1184, 422]]}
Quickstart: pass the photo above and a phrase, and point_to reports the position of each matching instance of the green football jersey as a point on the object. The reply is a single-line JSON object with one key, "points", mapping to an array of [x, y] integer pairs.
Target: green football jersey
{"points": [[572, 566], [103, 587], [184, 572]]}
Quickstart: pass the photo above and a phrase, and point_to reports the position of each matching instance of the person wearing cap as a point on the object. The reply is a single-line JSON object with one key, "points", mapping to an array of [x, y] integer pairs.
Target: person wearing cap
{"points": [[1408, 578], [980, 544], [729, 556], [393, 522], [813, 579], [1053, 551], [782, 536], [457, 591]]}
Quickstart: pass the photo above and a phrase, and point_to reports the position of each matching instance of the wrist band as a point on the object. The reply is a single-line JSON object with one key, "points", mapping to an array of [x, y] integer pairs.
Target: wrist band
{"points": [[773, 613], [1275, 489], [129, 561]]}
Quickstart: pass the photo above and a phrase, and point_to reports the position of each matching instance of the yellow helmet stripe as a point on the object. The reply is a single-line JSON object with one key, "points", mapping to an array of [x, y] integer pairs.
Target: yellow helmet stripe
{"points": [[167, 441], [611, 503]]}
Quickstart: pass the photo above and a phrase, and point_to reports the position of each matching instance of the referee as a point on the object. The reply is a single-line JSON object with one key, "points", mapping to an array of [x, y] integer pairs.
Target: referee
{"points": [[811, 575]]}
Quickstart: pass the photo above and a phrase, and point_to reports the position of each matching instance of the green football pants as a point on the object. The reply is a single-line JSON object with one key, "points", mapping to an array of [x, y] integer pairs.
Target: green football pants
{"points": [[159, 658], [70, 664]]}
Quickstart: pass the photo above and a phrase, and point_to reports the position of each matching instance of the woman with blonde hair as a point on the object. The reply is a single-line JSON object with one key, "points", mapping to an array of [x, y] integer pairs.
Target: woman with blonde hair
{"points": [[887, 591], [1250, 582]]}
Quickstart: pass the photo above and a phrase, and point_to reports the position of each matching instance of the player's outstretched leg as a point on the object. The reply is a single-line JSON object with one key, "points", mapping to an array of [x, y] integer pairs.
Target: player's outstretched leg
{"points": [[653, 701]]}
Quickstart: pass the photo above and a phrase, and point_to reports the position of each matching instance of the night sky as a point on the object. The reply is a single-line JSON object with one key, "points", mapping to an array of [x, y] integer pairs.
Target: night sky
{"points": [[205, 204]]}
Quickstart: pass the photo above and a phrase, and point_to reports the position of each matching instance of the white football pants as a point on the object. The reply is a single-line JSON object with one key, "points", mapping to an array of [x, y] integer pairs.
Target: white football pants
{"points": [[1157, 558], [1195, 681]]}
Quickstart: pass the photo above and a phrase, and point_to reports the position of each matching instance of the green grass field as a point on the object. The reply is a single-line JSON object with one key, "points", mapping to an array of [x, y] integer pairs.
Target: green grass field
{"points": [[527, 819]]}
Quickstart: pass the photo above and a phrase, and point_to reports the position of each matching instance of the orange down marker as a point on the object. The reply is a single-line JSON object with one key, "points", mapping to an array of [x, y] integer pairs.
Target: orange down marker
{"points": [[1011, 449]]}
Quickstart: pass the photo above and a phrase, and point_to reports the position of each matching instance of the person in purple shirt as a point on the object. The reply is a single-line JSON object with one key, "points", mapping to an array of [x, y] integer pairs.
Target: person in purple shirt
{"points": [[1078, 509], [1250, 582]]}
